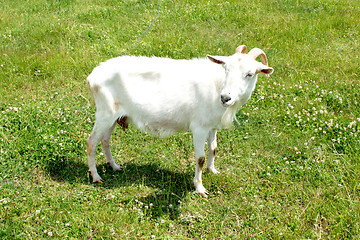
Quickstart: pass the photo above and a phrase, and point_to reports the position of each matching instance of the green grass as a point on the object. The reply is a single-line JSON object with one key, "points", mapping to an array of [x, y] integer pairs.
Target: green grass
{"points": [[289, 170]]}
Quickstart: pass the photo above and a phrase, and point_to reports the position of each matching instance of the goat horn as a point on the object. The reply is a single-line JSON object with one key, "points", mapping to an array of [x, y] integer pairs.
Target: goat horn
{"points": [[255, 52], [241, 49]]}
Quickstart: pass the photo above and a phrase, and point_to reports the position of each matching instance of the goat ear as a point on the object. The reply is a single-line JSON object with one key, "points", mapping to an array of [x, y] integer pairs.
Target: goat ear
{"points": [[266, 70], [215, 59]]}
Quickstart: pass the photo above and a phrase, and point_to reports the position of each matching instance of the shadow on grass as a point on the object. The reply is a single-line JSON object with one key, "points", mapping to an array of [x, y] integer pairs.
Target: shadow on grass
{"points": [[169, 187]]}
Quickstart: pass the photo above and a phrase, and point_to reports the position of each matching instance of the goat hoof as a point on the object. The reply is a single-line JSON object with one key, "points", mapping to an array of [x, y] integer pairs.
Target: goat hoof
{"points": [[114, 167], [100, 181], [213, 170], [95, 177], [204, 194]]}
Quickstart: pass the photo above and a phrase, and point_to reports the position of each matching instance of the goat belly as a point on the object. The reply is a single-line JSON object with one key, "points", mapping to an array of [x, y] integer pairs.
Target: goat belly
{"points": [[162, 127]]}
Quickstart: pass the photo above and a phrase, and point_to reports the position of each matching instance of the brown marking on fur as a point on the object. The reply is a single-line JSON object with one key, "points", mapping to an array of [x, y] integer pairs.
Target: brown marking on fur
{"points": [[122, 121], [201, 162], [116, 106], [214, 152], [95, 88], [89, 147]]}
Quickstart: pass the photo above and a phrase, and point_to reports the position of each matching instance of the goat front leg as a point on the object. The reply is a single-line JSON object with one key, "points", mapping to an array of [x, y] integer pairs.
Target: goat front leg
{"points": [[212, 146], [199, 138]]}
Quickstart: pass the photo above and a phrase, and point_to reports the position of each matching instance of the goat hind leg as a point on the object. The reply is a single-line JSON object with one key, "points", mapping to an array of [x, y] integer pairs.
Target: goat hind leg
{"points": [[100, 129], [105, 143]]}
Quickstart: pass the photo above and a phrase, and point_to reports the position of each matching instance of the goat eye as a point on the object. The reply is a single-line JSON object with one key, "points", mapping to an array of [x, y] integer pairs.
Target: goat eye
{"points": [[250, 75]]}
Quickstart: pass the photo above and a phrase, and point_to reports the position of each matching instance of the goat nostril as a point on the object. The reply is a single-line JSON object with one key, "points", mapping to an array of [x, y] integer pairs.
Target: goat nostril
{"points": [[225, 99]]}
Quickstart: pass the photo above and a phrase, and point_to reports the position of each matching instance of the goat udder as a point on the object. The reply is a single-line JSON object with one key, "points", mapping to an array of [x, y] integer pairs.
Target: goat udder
{"points": [[122, 121]]}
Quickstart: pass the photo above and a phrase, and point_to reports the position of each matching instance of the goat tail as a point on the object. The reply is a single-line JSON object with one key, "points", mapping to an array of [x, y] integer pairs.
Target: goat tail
{"points": [[90, 94], [103, 98]]}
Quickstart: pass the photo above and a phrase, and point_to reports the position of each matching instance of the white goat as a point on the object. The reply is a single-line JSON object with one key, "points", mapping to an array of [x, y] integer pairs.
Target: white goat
{"points": [[161, 95]]}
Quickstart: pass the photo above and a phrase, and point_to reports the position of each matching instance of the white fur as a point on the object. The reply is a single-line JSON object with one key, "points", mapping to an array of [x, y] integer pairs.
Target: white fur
{"points": [[161, 95]]}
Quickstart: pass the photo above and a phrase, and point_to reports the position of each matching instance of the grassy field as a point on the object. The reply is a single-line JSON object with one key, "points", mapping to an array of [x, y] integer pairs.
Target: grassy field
{"points": [[289, 170]]}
